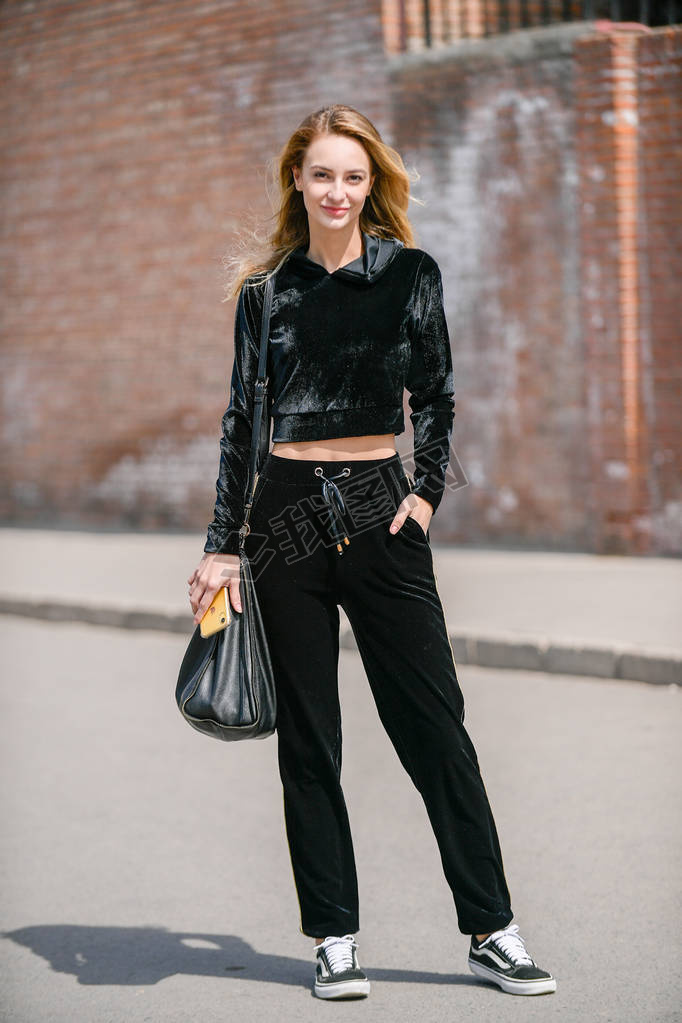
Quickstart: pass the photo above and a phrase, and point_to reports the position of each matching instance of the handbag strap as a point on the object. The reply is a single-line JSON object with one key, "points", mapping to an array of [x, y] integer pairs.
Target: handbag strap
{"points": [[260, 439]]}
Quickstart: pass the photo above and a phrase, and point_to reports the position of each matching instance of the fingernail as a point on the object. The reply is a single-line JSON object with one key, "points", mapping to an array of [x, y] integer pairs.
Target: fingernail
{"points": [[394, 529]]}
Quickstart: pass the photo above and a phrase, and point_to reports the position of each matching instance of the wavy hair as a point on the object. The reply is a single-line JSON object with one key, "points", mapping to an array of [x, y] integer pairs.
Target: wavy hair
{"points": [[384, 213]]}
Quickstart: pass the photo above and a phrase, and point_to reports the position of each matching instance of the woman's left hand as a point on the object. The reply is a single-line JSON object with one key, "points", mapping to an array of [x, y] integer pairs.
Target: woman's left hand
{"points": [[417, 507]]}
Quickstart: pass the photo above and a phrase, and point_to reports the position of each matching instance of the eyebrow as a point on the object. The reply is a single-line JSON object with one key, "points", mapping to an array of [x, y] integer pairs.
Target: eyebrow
{"points": [[318, 166]]}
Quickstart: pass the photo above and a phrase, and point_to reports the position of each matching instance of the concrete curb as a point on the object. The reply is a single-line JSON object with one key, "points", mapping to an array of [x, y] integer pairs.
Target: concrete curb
{"points": [[566, 658], [99, 614], [527, 653]]}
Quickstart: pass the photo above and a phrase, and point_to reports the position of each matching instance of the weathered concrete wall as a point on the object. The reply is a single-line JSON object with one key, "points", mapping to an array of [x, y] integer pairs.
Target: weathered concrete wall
{"points": [[494, 139]]}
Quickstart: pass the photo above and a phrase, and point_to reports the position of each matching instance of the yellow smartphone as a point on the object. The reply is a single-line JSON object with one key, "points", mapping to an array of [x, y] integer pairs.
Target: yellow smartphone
{"points": [[218, 614]]}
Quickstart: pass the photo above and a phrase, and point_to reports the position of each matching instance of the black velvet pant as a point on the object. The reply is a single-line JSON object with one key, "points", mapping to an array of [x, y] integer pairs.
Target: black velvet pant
{"points": [[385, 584]]}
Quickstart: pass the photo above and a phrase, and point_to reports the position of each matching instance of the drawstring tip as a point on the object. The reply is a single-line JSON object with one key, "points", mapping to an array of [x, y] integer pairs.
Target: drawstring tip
{"points": [[339, 547]]}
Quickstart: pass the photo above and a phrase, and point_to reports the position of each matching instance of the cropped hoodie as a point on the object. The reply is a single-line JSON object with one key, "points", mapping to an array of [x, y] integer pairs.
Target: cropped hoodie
{"points": [[343, 347]]}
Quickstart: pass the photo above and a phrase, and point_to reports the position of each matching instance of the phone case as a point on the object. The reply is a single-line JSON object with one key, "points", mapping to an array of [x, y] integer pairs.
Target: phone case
{"points": [[218, 615]]}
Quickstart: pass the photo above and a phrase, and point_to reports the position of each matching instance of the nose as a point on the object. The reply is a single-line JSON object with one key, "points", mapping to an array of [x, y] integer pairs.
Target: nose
{"points": [[337, 193]]}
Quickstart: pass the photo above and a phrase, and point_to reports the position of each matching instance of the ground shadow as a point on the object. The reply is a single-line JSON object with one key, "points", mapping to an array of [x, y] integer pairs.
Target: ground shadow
{"points": [[146, 955]]}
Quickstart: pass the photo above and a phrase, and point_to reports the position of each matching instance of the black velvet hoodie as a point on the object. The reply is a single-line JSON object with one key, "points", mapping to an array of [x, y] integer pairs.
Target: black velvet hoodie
{"points": [[343, 347]]}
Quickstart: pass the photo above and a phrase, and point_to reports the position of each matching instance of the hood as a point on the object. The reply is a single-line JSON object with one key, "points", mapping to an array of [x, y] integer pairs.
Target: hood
{"points": [[378, 255]]}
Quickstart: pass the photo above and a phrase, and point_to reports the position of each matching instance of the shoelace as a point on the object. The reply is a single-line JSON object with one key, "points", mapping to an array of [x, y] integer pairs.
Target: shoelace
{"points": [[511, 943], [340, 952]]}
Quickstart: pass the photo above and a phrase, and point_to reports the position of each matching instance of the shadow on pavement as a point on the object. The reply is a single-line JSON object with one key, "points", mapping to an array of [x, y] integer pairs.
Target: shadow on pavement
{"points": [[146, 955]]}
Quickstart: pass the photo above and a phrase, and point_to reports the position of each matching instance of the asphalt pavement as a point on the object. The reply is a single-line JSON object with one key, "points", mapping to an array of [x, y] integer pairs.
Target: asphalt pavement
{"points": [[596, 615], [146, 875]]}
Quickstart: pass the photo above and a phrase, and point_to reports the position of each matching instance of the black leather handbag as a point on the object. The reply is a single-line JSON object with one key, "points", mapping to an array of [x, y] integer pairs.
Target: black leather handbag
{"points": [[225, 686]]}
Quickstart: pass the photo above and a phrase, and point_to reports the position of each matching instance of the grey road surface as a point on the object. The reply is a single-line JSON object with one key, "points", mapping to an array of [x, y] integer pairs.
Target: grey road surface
{"points": [[146, 876], [587, 614]]}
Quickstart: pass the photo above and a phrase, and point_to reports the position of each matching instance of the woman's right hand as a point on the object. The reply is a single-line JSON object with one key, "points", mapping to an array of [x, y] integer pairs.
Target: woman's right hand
{"points": [[212, 572]]}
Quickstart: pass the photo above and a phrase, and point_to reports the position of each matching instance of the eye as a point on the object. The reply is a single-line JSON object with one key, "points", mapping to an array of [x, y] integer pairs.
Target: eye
{"points": [[320, 174], [356, 177]]}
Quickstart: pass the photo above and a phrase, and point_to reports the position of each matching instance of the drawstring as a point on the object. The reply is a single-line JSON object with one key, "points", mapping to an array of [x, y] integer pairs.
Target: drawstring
{"points": [[334, 501]]}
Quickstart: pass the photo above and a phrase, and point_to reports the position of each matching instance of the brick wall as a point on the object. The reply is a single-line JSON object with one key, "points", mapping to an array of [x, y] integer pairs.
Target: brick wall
{"points": [[659, 250], [414, 25], [551, 163], [494, 142], [136, 138], [628, 88]]}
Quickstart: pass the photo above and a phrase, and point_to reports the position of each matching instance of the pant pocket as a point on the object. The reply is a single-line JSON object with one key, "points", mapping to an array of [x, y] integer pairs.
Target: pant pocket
{"points": [[414, 529], [410, 527]]}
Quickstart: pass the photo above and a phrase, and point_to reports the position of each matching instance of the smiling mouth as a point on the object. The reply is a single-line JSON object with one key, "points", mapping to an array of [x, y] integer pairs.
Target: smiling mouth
{"points": [[337, 209]]}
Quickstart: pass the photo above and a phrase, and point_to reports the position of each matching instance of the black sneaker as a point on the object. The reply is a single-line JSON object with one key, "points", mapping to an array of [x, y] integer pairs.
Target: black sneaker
{"points": [[338, 974], [502, 958]]}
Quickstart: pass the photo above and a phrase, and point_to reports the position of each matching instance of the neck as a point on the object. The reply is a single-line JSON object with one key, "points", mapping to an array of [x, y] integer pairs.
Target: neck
{"points": [[333, 249]]}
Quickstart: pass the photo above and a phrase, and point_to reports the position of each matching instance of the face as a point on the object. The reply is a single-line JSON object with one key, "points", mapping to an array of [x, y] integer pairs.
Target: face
{"points": [[335, 180]]}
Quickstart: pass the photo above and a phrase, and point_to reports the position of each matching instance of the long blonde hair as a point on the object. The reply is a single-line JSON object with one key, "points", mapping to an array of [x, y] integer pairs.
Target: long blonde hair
{"points": [[384, 213]]}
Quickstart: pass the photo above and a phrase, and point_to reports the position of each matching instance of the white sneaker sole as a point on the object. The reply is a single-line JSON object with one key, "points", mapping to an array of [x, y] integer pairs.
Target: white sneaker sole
{"points": [[344, 989], [514, 987]]}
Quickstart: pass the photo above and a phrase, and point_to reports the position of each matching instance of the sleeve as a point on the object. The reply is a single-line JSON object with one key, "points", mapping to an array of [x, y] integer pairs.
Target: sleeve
{"points": [[237, 421], [430, 382]]}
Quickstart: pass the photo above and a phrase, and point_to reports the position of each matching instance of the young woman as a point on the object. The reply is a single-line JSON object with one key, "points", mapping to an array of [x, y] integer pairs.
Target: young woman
{"points": [[357, 316]]}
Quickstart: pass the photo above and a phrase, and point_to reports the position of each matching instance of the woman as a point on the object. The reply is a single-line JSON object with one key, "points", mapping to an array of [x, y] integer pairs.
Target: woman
{"points": [[357, 316]]}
